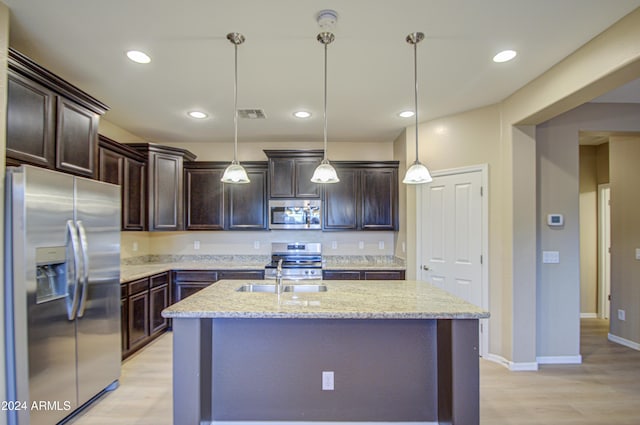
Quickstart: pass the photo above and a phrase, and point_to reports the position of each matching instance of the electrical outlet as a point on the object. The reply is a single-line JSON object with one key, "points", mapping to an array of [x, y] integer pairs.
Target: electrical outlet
{"points": [[404, 247], [621, 315], [135, 246], [256, 244], [196, 244], [334, 244], [380, 244], [327, 380], [361, 244]]}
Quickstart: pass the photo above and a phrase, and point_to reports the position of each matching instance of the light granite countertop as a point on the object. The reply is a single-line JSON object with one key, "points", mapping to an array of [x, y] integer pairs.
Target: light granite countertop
{"points": [[344, 299], [138, 268]]}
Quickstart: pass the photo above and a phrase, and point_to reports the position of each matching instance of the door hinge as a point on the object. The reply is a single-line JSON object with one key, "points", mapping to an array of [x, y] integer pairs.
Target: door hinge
{"points": [[481, 191], [481, 259], [481, 327]]}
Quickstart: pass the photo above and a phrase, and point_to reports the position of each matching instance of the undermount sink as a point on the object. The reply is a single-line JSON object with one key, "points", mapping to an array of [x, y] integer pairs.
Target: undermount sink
{"points": [[305, 288], [259, 287]]}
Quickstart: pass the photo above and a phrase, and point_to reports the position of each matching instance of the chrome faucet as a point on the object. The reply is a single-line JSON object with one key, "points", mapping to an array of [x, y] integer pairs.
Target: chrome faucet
{"points": [[279, 277]]}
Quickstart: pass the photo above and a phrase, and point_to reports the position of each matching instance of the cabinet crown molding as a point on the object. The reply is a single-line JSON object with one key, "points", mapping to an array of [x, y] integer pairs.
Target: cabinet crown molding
{"points": [[22, 64]]}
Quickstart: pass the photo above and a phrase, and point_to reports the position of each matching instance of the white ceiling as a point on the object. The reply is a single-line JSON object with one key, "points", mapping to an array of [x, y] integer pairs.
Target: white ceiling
{"points": [[280, 64]]}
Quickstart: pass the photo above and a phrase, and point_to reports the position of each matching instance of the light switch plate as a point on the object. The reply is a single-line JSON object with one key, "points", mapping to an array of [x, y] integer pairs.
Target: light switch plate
{"points": [[327, 380], [637, 253], [550, 257]]}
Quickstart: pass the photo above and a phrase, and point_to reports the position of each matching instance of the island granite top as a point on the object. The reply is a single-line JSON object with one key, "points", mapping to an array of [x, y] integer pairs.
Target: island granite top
{"points": [[344, 299]]}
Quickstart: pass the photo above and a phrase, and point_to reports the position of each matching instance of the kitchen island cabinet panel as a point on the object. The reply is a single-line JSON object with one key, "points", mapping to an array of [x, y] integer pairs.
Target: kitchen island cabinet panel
{"points": [[416, 348]]}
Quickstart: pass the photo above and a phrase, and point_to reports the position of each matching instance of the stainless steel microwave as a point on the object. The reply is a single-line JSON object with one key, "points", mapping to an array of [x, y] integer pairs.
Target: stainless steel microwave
{"points": [[295, 214]]}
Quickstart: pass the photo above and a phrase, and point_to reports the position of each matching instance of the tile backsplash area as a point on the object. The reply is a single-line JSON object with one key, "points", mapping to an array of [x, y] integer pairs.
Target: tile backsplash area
{"points": [[134, 244]]}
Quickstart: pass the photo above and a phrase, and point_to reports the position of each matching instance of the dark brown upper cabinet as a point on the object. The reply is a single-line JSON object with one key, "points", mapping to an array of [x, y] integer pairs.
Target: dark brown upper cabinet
{"points": [[213, 205], [50, 123], [165, 187], [290, 173], [124, 166], [204, 196], [365, 198], [247, 203]]}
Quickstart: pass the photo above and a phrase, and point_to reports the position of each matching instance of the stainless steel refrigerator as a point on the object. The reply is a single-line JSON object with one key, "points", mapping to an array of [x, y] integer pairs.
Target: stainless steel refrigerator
{"points": [[62, 292]]}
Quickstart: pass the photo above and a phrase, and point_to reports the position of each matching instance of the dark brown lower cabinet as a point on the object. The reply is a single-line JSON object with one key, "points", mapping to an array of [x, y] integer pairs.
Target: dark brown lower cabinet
{"points": [[142, 303], [188, 282], [138, 319], [363, 274]]}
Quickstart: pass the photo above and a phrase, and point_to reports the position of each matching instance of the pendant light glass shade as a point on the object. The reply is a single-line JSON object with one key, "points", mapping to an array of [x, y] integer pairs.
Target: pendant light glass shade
{"points": [[235, 173], [418, 172], [325, 173]]}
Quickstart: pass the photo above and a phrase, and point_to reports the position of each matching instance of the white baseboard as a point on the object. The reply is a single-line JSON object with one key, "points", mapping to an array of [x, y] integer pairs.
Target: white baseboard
{"points": [[559, 359], [512, 366], [623, 341], [588, 315]]}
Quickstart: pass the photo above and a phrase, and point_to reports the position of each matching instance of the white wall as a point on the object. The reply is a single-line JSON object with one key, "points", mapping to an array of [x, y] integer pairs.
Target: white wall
{"points": [[608, 61]]}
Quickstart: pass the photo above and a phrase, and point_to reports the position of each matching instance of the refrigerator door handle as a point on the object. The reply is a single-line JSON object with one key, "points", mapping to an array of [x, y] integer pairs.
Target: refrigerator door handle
{"points": [[84, 278], [72, 299]]}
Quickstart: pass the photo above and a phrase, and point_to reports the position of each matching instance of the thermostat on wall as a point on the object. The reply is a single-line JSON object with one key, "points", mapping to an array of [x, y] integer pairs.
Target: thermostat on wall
{"points": [[555, 220]]}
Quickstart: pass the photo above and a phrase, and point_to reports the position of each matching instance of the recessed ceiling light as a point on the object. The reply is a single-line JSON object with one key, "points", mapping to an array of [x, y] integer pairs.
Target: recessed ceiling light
{"points": [[197, 115], [406, 114], [302, 114], [138, 56], [505, 56]]}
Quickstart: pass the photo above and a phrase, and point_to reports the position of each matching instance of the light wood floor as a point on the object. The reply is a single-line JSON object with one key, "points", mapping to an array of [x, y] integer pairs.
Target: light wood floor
{"points": [[605, 389]]}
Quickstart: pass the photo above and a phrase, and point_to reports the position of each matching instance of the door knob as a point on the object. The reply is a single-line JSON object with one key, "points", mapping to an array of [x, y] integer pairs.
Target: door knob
{"points": [[425, 268]]}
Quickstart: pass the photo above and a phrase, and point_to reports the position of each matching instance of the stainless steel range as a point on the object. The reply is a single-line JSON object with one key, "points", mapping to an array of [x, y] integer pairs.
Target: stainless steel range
{"points": [[300, 260]]}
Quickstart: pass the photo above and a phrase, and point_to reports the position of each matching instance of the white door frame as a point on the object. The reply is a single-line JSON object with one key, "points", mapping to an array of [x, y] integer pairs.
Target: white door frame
{"points": [[604, 256], [484, 170]]}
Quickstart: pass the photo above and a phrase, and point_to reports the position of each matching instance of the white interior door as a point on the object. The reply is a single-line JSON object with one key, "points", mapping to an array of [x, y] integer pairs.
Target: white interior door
{"points": [[451, 237], [604, 250]]}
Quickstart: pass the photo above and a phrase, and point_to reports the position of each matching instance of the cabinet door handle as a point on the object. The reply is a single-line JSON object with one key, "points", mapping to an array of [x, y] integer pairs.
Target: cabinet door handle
{"points": [[425, 268]]}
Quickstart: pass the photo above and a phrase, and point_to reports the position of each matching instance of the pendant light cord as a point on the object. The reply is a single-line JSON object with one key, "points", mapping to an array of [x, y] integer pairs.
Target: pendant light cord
{"points": [[415, 78], [325, 101], [235, 104]]}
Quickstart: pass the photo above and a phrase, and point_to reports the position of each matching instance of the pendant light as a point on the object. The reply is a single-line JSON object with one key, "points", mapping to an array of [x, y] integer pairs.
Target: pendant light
{"points": [[235, 173], [418, 172], [325, 173]]}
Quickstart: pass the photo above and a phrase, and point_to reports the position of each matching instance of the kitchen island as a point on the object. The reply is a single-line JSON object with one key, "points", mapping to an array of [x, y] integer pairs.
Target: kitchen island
{"points": [[390, 351]]}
